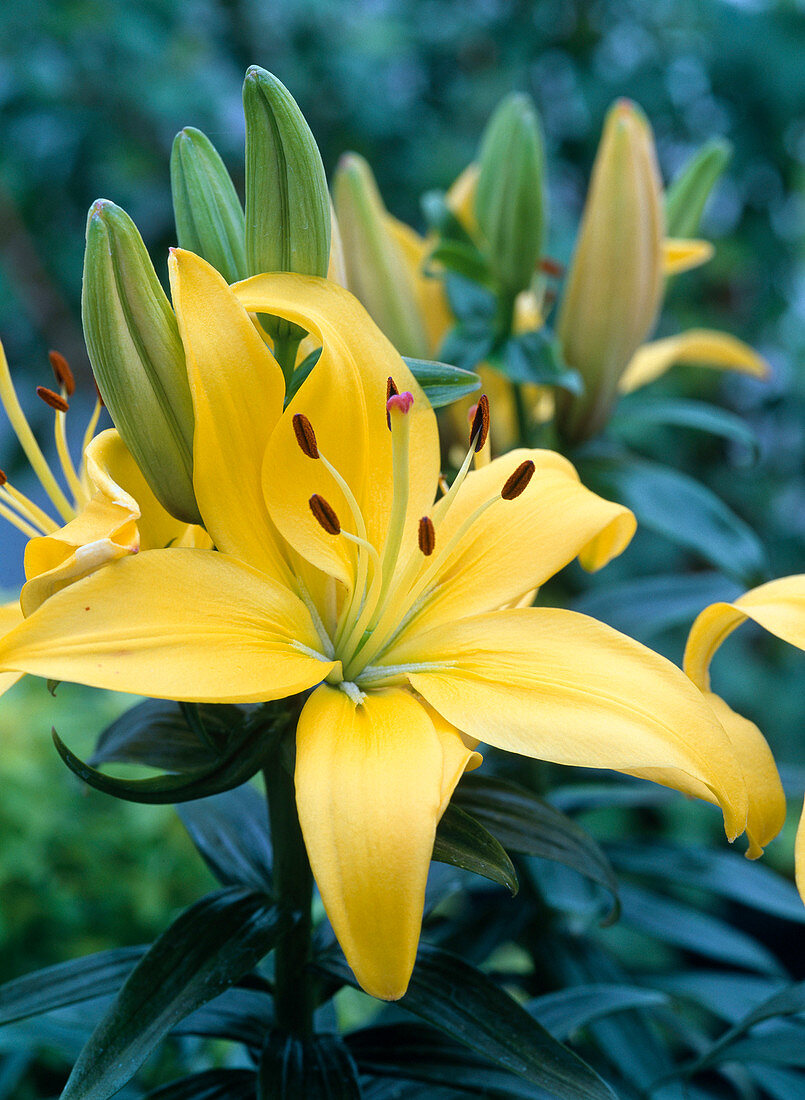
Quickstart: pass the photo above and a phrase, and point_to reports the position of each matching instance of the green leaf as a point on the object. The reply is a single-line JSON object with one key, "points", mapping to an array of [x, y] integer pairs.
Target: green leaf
{"points": [[785, 1045], [241, 1015], [67, 983], [636, 413], [727, 995], [441, 218], [464, 842], [687, 195], [524, 823], [566, 1011], [301, 372], [231, 833], [780, 1084], [442, 382], [414, 1052], [212, 1084], [317, 1068], [459, 258], [469, 301], [682, 510], [468, 344], [208, 948], [625, 792], [465, 1004], [788, 1002], [536, 357]]}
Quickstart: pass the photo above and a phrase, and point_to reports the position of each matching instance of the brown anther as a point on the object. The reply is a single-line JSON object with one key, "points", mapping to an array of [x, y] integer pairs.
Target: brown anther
{"points": [[479, 429], [305, 436], [391, 391], [324, 514], [55, 400], [62, 372], [99, 395], [427, 536], [518, 482], [3, 478], [551, 267]]}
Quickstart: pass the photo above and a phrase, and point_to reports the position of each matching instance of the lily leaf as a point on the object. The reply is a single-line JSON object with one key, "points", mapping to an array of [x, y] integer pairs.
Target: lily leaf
{"points": [[564, 1012], [208, 948], [212, 1084], [788, 1002], [231, 832], [636, 413], [442, 382], [240, 1015], [536, 357], [464, 842], [318, 1068]]}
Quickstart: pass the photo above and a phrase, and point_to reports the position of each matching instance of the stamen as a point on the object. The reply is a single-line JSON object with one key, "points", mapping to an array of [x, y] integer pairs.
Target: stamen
{"points": [[305, 436], [15, 521], [518, 481], [26, 508], [3, 478], [55, 400], [551, 267], [479, 428], [391, 391], [99, 395], [324, 514], [427, 536], [61, 369]]}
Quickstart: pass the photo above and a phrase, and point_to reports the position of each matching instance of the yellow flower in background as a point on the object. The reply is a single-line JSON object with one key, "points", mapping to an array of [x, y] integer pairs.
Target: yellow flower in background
{"points": [[336, 569]]}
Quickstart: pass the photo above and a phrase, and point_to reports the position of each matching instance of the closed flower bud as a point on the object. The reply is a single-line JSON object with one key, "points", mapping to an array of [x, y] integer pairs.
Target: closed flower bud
{"points": [[209, 217], [510, 201], [137, 357], [378, 272], [615, 283]]}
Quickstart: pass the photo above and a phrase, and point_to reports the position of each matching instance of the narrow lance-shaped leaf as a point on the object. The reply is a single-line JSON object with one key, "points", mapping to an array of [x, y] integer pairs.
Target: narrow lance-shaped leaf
{"points": [[687, 195], [464, 842], [317, 1068]]}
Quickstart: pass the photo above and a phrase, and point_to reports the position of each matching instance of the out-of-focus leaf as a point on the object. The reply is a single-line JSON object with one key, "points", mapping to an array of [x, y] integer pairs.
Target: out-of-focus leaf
{"points": [[212, 1084], [231, 832], [625, 793], [784, 1046], [536, 358], [461, 258], [441, 218], [464, 842], [726, 994], [689, 190], [442, 382], [318, 1068], [780, 1084], [633, 413], [564, 1012], [242, 1015], [470, 302], [208, 948], [788, 1002]]}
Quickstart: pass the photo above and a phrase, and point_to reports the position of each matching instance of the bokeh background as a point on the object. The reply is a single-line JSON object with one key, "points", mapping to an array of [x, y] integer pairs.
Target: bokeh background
{"points": [[91, 95]]}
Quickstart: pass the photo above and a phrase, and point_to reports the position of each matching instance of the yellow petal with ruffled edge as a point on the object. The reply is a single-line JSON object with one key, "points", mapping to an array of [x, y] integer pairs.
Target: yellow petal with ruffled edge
{"points": [[517, 545], [238, 391], [10, 616], [173, 624], [369, 794], [345, 400], [559, 686], [778, 606], [680, 255], [704, 347]]}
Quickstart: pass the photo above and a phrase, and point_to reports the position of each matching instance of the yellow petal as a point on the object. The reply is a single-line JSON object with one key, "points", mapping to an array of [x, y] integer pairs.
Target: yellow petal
{"points": [[562, 687], [175, 624], [704, 347], [368, 790], [345, 400], [516, 545], [680, 255], [10, 616], [429, 290], [778, 606], [238, 391], [459, 755]]}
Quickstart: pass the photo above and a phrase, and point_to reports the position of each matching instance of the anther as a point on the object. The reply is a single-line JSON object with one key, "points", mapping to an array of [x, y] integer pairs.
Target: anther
{"points": [[551, 267], [391, 391], [55, 400], [305, 436], [479, 428], [3, 478], [62, 372], [427, 536], [518, 482], [324, 514]]}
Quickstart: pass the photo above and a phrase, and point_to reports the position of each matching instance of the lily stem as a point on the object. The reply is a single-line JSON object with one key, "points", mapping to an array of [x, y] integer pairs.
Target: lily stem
{"points": [[293, 889], [285, 349]]}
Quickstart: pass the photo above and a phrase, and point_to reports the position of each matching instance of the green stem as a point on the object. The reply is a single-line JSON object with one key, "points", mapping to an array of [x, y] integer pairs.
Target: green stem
{"points": [[285, 348], [293, 888]]}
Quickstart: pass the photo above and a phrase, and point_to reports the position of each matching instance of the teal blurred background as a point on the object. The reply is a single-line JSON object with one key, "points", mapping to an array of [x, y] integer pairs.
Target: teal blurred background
{"points": [[91, 95]]}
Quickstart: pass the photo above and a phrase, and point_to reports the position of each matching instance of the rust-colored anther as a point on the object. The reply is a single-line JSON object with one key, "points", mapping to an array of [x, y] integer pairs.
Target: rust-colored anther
{"points": [[391, 391], [3, 478], [305, 436], [324, 514], [518, 482], [62, 372], [99, 395], [55, 400], [551, 267], [427, 536], [479, 428]]}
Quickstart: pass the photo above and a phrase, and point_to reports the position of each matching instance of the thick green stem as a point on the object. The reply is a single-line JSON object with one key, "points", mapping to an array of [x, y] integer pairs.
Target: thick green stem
{"points": [[293, 888], [285, 349]]}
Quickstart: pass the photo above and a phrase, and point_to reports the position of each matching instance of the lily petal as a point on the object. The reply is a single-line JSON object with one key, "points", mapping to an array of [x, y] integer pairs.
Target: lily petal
{"points": [[778, 606], [680, 255], [345, 400], [559, 686], [174, 624], [238, 391], [10, 616], [704, 347], [368, 790]]}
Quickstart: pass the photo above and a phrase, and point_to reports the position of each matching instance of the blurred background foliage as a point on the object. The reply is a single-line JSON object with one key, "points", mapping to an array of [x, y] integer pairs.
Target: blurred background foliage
{"points": [[91, 95]]}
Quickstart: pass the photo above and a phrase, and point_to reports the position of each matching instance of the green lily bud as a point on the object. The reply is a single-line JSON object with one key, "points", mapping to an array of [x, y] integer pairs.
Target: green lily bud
{"points": [[510, 203], [209, 217], [686, 197], [615, 283], [287, 202], [137, 356], [376, 267]]}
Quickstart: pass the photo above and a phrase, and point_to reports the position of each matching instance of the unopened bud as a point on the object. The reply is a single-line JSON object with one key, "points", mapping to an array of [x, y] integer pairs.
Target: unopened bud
{"points": [[615, 283], [378, 272], [510, 202], [137, 357], [208, 213]]}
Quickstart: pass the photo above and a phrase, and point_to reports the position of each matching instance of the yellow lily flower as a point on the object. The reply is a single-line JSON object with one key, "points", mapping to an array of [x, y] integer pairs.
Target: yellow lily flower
{"points": [[779, 607], [337, 572]]}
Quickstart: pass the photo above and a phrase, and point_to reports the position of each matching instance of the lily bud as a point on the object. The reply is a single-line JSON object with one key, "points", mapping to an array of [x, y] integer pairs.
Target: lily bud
{"points": [[686, 197], [510, 203], [287, 202], [378, 272], [209, 217], [615, 283], [137, 356]]}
